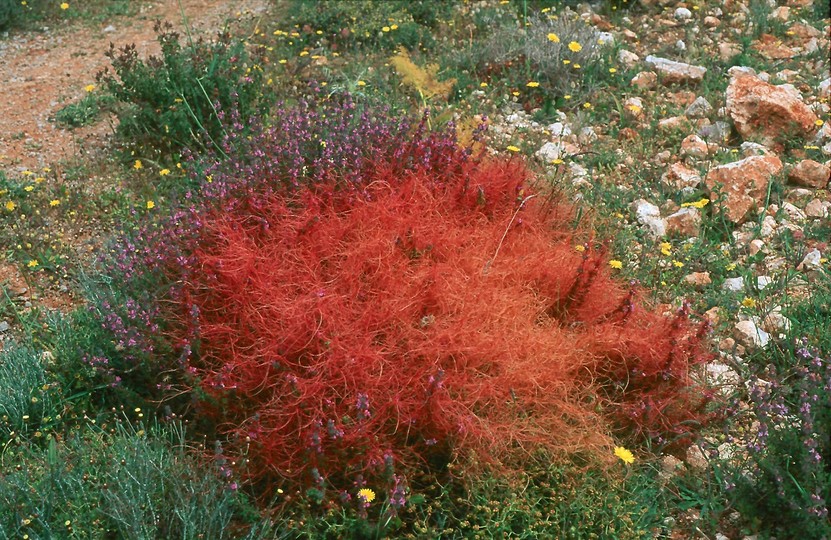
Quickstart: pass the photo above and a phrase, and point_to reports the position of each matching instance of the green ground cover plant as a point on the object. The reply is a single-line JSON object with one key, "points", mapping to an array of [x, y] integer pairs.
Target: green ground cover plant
{"points": [[178, 99]]}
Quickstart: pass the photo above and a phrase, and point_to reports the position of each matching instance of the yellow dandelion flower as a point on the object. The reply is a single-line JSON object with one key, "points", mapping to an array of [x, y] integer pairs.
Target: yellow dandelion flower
{"points": [[393, 27], [512, 148], [151, 205], [89, 87], [587, 105], [164, 172], [819, 123], [32, 264], [27, 173], [29, 188], [730, 267], [749, 302], [54, 202], [580, 248], [64, 6], [10, 206], [575, 47], [557, 161], [697, 204], [40, 180], [677, 264], [612, 70], [554, 38], [483, 85], [625, 455], [367, 495], [515, 93], [137, 165], [567, 96], [617, 265], [304, 53], [666, 248], [361, 83], [282, 61], [385, 29], [532, 84], [566, 62]]}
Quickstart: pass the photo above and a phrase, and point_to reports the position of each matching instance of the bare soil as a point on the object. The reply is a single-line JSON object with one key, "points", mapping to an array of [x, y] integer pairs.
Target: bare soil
{"points": [[41, 72]]}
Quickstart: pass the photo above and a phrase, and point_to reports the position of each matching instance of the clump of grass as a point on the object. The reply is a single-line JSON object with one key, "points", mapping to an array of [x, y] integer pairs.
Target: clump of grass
{"points": [[118, 478], [30, 402], [8, 10], [548, 57], [384, 25]]}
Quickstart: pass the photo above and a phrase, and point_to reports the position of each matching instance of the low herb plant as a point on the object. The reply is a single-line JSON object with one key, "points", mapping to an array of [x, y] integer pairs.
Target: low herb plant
{"points": [[173, 101], [781, 482]]}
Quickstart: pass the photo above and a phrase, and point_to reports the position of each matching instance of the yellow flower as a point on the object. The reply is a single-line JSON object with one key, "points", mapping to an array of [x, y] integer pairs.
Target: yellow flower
{"points": [[576, 66], [731, 266], [515, 93], [557, 161], [164, 172], [304, 53], [54, 202], [393, 27], [532, 84], [385, 29], [666, 248], [624, 455], [575, 47], [40, 180], [282, 61], [819, 123], [566, 62], [580, 248], [617, 265], [89, 87], [612, 70], [587, 105], [137, 165], [567, 97], [32, 264], [677, 264], [10, 206], [29, 188], [697, 204], [749, 302], [367, 495], [151, 205], [512, 148], [553, 38], [361, 83], [483, 85], [64, 6]]}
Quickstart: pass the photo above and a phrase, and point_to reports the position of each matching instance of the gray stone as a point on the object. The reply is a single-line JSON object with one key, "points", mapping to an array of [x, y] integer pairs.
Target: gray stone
{"points": [[672, 72], [699, 108]]}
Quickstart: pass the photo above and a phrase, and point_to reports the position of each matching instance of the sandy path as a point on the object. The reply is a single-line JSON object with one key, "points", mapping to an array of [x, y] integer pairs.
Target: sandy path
{"points": [[42, 72]]}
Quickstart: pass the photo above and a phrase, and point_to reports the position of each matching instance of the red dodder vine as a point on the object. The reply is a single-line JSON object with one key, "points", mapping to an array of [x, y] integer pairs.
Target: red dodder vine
{"points": [[428, 317]]}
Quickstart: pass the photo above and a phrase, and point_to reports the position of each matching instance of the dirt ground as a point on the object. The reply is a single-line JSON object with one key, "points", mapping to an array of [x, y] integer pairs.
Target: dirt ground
{"points": [[41, 72]]}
